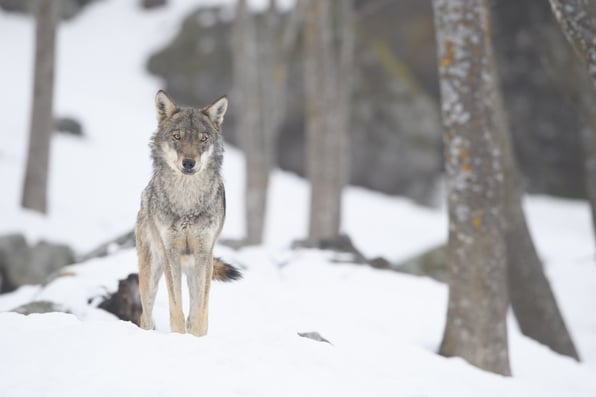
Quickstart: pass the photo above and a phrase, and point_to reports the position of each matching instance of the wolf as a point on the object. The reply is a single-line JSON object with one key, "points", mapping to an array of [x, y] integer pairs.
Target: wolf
{"points": [[182, 212]]}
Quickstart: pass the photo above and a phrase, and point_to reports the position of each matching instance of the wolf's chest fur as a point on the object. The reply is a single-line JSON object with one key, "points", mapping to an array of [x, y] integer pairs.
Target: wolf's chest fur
{"points": [[184, 203]]}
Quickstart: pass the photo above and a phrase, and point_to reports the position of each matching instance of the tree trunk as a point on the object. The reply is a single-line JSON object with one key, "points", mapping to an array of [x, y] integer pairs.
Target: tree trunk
{"points": [[327, 96], [530, 293], [578, 22], [42, 125], [532, 298], [249, 131], [344, 74], [476, 327], [588, 134], [260, 57], [577, 19]]}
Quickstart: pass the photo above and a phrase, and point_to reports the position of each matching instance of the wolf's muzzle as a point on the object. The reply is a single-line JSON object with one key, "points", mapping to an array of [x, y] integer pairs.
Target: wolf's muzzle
{"points": [[188, 165]]}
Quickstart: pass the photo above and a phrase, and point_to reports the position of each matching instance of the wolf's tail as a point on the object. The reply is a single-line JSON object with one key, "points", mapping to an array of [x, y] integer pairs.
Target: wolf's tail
{"points": [[223, 271]]}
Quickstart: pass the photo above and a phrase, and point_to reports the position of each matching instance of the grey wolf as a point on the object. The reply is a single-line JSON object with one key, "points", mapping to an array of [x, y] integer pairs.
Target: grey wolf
{"points": [[182, 212]]}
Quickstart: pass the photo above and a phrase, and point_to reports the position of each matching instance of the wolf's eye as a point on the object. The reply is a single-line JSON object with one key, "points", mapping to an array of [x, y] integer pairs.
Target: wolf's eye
{"points": [[204, 137], [176, 136]]}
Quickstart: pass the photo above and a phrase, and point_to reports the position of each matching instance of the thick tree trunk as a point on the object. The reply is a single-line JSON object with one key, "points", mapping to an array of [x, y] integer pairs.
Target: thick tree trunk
{"points": [[42, 125], [476, 327], [327, 95], [250, 132]]}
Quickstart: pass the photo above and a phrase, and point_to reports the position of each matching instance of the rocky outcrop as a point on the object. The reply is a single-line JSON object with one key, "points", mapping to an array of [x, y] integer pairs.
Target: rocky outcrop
{"points": [[69, 9], [22, 264], [37, 307], [395, 124]]}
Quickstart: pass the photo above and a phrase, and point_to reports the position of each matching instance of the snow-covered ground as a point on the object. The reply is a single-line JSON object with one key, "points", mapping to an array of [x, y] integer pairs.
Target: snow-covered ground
{"points": [[383, 327]]}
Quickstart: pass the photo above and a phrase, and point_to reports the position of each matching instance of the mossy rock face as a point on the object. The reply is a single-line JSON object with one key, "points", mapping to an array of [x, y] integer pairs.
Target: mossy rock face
{"points": [[21, 264], [37, 307], [69, 8], [392, 150], [432, 263], [395, 123]]}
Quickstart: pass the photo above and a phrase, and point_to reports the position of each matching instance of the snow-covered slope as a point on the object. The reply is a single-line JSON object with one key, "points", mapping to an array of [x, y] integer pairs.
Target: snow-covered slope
{"points": [[383, 327]]}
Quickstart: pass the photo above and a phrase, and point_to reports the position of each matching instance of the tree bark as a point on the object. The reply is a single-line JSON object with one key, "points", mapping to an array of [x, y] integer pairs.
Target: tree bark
{"points": [[260, 57], [327, 95], [577, 19], [476, 327], [587, 102], [250, 132], [530, 293], [578, 22], [344, 74], [38, 156]]}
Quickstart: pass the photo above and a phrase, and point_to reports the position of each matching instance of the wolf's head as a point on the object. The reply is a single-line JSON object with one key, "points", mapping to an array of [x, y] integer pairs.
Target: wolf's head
{"points": [[188, 140]]}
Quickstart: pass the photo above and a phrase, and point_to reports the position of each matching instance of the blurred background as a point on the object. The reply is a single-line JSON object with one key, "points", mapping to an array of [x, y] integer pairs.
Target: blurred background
{"points": [[371, 67]]}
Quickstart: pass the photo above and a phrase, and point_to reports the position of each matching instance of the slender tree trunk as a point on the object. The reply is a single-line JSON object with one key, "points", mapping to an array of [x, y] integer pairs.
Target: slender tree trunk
{"points": [[260, 57], [578, 22], [588, 135], [327, 95], [42, 125], [250, 132], [577, 19], [531, 295], [344, 75], [271, 105], [316, 59], [476, 327]]}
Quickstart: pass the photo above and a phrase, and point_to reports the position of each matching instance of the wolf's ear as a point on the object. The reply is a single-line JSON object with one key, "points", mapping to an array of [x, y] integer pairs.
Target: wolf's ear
{"points": [[164, 105], [216, 111]]}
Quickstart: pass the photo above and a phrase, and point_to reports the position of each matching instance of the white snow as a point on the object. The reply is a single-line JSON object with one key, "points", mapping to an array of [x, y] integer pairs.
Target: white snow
{"points": [[384, 327]]}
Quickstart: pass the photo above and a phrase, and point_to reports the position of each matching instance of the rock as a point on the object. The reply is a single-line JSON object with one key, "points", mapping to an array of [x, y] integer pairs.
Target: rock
{"points": [[46, 259], [395, 123], [314, 336], [69, 126], [538, 74], [126, 240], [39, 307], [150, 4], [14, 255], [126, 302], [380, 263], [341, 243], [70, 8], [21, 264], [432, 263]]}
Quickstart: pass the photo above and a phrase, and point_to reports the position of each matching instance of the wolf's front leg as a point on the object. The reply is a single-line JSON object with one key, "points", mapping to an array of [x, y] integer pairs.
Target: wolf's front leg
{"points": [[199, 284], [173, 275], [149, 274]]}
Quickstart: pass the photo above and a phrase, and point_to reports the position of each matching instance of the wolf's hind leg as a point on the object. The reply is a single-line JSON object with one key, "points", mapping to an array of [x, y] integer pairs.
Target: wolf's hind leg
{"points": [[149, 274]]}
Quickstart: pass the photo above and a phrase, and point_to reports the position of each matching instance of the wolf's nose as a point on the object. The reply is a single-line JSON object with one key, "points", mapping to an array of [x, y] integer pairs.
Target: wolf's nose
{"points": [[188, 164]]}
